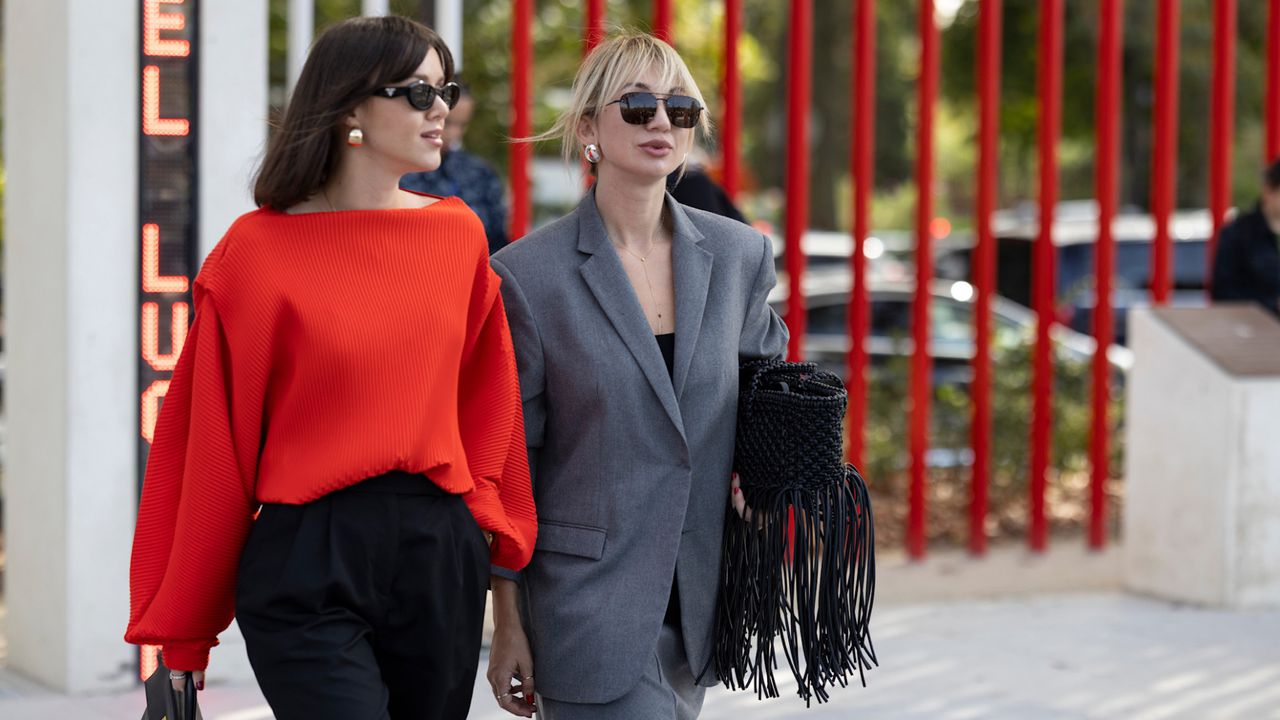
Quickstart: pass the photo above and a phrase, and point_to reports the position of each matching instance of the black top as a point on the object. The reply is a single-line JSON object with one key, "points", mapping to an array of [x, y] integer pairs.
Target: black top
{"points": [[1247, 264], [667, 344]]}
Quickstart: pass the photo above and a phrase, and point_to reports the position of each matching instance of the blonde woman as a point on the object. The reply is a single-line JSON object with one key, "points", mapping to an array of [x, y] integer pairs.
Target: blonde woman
{"points": [[630, 317]]}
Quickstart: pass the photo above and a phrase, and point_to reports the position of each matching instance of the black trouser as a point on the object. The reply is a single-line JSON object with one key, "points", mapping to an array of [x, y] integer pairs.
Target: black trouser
{"points": [[367, 603]]}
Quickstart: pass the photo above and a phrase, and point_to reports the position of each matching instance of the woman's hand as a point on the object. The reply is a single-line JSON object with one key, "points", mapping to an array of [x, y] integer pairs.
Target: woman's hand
{"points": [[179, 679], [509, 655], [737, 500]]}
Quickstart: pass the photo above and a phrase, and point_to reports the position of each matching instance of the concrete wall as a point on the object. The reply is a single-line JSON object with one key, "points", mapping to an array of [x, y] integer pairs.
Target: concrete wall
{"points": [[71, 92], [71, 294], [1202, 502]]}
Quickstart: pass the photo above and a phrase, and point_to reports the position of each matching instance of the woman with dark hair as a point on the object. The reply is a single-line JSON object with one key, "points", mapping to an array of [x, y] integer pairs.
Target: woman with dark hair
{"points": [[343, 432]]}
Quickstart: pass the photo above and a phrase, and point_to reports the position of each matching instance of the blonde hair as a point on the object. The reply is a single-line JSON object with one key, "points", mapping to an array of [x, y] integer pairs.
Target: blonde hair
{"points": [[607, 69]]}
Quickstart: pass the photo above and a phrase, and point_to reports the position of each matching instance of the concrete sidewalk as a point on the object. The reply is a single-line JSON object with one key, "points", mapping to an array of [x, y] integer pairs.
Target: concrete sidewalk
{"points": [[1100, 655]]}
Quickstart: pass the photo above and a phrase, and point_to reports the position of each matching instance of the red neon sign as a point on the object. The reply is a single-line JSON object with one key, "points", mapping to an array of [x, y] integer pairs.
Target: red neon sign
{"points": [[167, 229]]}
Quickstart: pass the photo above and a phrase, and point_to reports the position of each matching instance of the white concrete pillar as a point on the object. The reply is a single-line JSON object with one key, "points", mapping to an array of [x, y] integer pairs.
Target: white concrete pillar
{"points": [[71, 299], [302, 25], [72, 105], [233, 110], [376, 7], [233, 134], [449, 25]]}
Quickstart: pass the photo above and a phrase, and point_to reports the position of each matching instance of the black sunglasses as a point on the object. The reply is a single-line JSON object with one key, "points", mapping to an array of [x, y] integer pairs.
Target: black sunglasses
{"points": [[638, 108], [422, 95]]}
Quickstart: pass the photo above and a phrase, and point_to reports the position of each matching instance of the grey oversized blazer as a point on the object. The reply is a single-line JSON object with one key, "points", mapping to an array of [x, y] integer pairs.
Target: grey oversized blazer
{"points": [[631, 470]]}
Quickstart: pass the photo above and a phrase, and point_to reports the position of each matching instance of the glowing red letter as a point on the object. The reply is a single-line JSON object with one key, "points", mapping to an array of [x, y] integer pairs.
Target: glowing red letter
{"points": [[151, 335], [152, 123], [151, 407], [152, 280], [153, 21]]}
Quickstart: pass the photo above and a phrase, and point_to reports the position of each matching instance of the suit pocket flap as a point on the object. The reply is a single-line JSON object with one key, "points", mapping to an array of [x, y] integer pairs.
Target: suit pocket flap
{"points": [[581, 540]]}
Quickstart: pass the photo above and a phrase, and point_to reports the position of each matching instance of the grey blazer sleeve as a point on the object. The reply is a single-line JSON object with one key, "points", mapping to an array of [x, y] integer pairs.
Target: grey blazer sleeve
{"points": [[764, 335], [531, 368]]}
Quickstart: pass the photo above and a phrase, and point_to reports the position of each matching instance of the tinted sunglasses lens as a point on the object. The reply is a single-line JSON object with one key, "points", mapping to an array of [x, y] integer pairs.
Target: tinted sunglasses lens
{"points": [[450, 93], [422, 96], [638, 108], [683, 111]]}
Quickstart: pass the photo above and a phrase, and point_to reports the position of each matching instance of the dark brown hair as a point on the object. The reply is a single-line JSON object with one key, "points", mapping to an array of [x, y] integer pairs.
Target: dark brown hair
{"points": [[1271, 176], [346, 64]]}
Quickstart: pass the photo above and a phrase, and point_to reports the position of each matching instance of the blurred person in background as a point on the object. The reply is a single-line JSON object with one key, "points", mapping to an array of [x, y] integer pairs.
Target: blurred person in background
{"points": [[1246, 266], [466, 176], [692, 185]]}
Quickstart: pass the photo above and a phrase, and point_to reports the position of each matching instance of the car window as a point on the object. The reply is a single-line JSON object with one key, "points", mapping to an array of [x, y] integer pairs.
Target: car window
{"points": [[828, 319], [1133, 267], [952, 320], [890, 318]]}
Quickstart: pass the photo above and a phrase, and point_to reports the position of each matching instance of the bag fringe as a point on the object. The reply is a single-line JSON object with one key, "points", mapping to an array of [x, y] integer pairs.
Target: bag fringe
{"points": [[811, 588]]}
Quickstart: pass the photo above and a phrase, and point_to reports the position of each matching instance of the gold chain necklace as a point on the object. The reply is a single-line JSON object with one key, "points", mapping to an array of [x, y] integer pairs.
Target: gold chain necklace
{"points": [[644, 267]]}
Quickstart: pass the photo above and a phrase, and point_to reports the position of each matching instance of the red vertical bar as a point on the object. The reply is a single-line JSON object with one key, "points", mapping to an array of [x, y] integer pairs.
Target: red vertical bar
{"points": [[1107, 111], [921, 365], [1043, 281], [731, 124], [797, 215], [593, 34], [1222, 119], [521, 125], [1164, 156], [864, 129], [1273, 81], [662, 21], [984, 266]]}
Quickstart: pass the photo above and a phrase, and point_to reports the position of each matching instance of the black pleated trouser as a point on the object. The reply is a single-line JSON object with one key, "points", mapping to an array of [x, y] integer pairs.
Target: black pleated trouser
{"points": [[367, 603]]}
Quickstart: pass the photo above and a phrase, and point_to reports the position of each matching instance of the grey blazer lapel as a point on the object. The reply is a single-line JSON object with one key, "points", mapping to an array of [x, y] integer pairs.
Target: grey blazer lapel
{"points": [[608, 282], [692, 267]]}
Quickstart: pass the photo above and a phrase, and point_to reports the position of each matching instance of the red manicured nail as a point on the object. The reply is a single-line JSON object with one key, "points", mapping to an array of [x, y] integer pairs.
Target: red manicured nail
{"points": [[736, 491], [200, 685]]}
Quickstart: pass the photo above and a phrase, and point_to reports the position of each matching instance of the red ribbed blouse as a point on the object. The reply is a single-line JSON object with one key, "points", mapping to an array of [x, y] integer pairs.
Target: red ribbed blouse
{"points": [[327, 348]]}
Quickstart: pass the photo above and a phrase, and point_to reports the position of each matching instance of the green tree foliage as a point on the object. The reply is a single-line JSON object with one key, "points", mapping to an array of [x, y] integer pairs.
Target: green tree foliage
{"points": [[1019, 111], [558, 30]]}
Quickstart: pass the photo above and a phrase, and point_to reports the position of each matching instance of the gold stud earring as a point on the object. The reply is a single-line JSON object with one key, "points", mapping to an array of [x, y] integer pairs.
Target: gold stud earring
{"points": [[355, 138]]}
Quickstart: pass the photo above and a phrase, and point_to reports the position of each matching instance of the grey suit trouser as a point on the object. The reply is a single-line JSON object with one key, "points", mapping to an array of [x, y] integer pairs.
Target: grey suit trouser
{"points": [[666, 691]]}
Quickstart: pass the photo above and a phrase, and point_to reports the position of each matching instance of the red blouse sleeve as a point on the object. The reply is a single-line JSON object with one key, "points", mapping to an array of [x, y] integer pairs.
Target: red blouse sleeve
{"points": [[492, 427], [196, 507]]}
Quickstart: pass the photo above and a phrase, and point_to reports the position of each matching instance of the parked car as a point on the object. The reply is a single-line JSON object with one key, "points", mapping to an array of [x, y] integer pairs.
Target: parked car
{"points": [[951, 333], [1075, 233]]}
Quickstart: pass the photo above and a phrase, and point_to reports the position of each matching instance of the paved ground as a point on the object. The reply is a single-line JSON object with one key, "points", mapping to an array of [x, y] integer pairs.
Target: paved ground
{"points": [[1100, 655]]}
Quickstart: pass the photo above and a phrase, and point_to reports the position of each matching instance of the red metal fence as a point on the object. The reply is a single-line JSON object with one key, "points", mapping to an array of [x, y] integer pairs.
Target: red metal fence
{"points": [[988, 67]]}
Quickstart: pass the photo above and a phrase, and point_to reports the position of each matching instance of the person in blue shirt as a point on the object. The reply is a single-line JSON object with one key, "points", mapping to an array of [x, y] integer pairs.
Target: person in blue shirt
{"points": [[466, 176]]}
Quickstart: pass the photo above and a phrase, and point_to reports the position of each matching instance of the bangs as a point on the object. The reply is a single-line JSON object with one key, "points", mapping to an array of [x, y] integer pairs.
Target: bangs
{"points": [[630, 67], [608, 70]]}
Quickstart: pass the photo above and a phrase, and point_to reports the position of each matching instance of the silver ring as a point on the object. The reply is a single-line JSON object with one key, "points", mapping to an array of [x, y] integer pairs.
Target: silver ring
{"points": [[179, 675]]}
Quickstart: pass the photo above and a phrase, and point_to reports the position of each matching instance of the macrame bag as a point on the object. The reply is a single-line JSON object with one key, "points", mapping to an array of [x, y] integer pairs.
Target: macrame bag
{"points": [[800, 573]]}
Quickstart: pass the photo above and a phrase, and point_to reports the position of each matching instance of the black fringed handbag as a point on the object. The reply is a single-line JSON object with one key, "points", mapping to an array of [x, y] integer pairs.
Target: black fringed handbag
{"points": [[802, 570]]}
